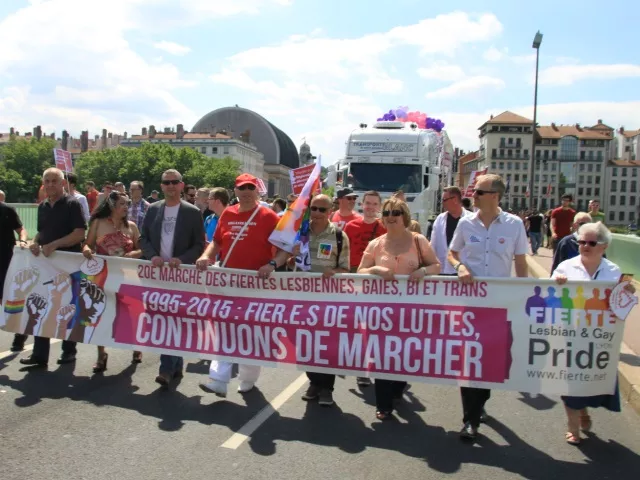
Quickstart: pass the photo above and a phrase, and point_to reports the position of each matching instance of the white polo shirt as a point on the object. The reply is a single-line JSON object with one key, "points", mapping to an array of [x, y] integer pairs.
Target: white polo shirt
{"points": [[490, 252], [574, 270]]}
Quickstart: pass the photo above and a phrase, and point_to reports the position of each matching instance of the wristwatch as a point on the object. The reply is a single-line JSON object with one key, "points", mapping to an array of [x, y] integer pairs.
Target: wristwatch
{"points": [[457, 266], [273, 263]]}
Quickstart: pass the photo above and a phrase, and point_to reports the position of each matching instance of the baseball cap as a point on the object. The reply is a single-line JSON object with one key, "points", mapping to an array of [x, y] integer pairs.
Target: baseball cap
{"points": [[345, 192], [154, 191], [245, 179]]}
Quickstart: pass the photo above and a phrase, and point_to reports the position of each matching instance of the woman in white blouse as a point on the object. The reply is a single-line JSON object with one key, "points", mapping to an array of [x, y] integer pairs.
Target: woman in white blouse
{"points": [[593, 240]]}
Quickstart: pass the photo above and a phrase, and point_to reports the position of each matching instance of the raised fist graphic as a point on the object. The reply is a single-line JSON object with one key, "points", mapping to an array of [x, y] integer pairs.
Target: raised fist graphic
{"points": [[22, 283], [92, 302], [36, 307], [63, 317], [58, 285]]}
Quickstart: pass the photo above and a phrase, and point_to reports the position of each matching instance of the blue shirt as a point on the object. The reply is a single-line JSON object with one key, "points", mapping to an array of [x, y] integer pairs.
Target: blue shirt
{"points": [[210, 224]]}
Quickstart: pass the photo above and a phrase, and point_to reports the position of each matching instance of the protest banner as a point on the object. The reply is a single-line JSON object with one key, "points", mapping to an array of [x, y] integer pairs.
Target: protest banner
{"points": [[299, 177], [510, 334], [473, 179], [63, 160]]}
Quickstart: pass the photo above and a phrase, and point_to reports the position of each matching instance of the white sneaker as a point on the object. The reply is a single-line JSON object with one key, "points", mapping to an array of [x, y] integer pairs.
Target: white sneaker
{"points": [[244, 387], [216, 387]]}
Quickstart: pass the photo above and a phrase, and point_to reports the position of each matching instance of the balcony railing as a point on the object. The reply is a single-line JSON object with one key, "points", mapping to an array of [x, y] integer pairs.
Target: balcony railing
{"points": [[513, 156]]}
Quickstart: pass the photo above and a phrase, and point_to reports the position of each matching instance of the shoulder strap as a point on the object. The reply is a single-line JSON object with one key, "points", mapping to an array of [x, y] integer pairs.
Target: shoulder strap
{"points": [[339, 245], [235, 240], [420, 257], [375, 228]]}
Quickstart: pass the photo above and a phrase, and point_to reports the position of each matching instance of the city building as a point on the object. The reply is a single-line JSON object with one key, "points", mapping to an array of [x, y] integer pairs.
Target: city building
{"points": [[621, 200], [305, 154], [467, 162], [568, 159], [280, 153], [628, 145], [213, 145]]}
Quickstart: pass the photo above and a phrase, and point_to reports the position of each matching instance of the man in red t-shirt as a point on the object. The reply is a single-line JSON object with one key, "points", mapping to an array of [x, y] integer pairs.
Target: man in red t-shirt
{"points": [[345, 214], [562, 219], [364, 229], [242, 240], [92, 195]]}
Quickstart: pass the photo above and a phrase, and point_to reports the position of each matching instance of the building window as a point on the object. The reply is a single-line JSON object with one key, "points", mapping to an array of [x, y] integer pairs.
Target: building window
{"points": [[596, 191], [554, 154], [502, 152], [598, 168], [526, 153], [494, 152], [621, 216], [632, 201], [510, 141], [545, 167], [524, 178], [632, 216], [634, 172], [590, 167], [517, 165], [633, 186], [612, 201], [537, 178], [614, 172], [225, 150], [580, 192], [501, 165], [623, 186], [553, 167], [581, 179], [612, 216], [516, 189], [623, 200], [509, 165], [546, 154], [588, 191], [591, 155], [203, 149], [517, 177], [614, 185], [538, 154], [582, 167], [493, 165], [214, 149], [582, 155], [553, 179], [509, 153], [599, 155], [623, 171]]}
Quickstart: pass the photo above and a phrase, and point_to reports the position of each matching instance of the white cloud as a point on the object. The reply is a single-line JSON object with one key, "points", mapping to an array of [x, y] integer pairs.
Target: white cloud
{"points": [[382, 83], [445, 73], [172, 47], [468, 86], [493, 54], [570, 74]]}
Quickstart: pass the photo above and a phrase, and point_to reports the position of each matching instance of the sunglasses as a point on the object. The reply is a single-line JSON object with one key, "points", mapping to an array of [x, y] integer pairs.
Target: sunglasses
{"points": [[246, 186], [319, 209], [393, 213], [171, 182], [482, 192], [591, 243]]}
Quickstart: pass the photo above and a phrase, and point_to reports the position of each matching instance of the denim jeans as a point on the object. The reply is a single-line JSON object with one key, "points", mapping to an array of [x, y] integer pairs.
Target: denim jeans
{"points": [[170, 364], [536, 241]]}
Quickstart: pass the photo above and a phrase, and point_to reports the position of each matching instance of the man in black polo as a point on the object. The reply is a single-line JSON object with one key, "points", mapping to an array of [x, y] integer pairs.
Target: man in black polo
{"points": [[61, 227]]}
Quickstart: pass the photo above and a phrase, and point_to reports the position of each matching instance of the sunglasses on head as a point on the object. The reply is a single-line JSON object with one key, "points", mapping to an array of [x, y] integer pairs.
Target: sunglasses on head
{"points": [[591, 243], [393, 213], [171, 182], [319, 209], [482, 192], [247, 186]]}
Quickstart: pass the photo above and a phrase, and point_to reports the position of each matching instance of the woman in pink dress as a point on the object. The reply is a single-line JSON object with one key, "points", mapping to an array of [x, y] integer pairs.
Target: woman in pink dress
{"points": [[398, 252], [110, 233]]}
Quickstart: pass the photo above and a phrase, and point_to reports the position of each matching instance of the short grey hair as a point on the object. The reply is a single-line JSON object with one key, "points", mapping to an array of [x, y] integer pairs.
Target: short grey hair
{"points": [[602, 233], [582, 215], [203, 192], [497, 183], [172, 171], [59, 173], [2, 194]]}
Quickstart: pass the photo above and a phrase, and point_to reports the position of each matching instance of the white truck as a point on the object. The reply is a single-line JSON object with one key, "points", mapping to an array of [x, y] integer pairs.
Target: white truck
{"points": [[392, 156]]}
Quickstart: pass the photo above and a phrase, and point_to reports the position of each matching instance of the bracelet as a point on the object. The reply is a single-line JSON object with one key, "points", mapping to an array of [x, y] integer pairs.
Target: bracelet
{"points": [[22, 241], [14, 306]]}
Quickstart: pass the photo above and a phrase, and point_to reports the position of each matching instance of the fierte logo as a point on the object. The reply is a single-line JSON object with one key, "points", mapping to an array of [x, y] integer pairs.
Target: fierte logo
{"points": [[621, 301]]}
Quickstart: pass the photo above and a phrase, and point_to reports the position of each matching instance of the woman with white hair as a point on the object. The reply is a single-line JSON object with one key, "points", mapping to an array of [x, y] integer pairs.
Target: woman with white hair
{"points": [[590, 264]]}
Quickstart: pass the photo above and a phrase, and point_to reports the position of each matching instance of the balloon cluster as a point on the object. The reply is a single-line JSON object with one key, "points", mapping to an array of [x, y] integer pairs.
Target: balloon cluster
{"points": [[402, 114]]}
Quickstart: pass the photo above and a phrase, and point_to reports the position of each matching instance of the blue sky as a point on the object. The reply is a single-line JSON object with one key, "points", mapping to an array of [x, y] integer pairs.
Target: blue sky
{"points": [[316, 69]]}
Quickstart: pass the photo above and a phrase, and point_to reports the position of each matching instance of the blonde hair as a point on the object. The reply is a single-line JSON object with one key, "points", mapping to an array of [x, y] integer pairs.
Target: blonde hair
{"points": [[415, 227], [394, 203]]}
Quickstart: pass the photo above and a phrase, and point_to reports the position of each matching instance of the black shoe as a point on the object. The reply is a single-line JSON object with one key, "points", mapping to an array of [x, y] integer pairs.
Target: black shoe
{"points": [[468, 432], [484, 416], [178, 374], [36, 362], [312, 393], [363, 381], [17, 347], [67, 358]]}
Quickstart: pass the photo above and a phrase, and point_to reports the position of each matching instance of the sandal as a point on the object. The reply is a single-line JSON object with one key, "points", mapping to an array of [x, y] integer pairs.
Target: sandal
{"points": [[101, 365], [585, 423], [572, 438], [137, 357], [380, 415]]}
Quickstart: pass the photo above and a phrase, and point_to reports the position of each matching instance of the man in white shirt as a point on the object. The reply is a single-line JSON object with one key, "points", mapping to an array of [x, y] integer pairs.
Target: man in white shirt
{"points": [[445, 226], [72, 181], [489, 241]]}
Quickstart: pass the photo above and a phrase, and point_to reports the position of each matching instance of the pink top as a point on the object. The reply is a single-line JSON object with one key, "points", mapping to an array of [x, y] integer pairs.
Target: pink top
{"points": [[114, 244], [403, 264]]}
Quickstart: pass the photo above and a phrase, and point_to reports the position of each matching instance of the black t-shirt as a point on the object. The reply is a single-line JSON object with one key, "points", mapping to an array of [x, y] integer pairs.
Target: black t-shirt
{"points": [[9, 223], [59, 220], [150, 199], [452, 223], [535, 223], [205, 213]]}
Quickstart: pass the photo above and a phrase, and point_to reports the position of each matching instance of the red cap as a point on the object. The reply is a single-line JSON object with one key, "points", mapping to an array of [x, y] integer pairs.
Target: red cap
{"points": [[245, 178]]}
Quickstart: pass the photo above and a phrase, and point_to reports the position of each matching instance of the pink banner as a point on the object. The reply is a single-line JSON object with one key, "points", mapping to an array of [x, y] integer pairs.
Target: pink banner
{"points": [[299, 177], [473, 179], [63, 160], [441, 342]]}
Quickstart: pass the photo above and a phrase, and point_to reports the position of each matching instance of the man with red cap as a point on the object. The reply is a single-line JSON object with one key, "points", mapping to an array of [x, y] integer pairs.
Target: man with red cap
{"points": [[242, 240]]}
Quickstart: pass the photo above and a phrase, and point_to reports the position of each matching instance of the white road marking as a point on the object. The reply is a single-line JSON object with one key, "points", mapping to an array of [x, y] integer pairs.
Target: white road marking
{"points": [[27, 348], [263, 415]]}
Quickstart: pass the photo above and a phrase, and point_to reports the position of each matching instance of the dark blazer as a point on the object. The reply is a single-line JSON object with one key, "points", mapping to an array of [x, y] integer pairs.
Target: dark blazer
{"points": [[189, 237]]}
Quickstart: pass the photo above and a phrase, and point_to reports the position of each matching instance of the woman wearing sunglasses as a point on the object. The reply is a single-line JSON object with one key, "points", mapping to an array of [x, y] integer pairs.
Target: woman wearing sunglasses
{"points": [[590, 264], [110, 233], [398, 252]]}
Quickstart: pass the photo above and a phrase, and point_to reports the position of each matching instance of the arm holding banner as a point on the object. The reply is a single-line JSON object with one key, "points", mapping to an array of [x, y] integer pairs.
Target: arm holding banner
{"points": [[211, 252], [368, 264]]}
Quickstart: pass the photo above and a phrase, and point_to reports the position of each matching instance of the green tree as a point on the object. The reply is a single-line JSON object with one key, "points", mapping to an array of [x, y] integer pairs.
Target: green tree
{"points": [[22, 162], [215, 172]]}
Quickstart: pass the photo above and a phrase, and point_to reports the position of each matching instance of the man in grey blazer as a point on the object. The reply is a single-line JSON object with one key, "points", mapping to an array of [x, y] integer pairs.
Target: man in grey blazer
{"points": [[172, 232]]}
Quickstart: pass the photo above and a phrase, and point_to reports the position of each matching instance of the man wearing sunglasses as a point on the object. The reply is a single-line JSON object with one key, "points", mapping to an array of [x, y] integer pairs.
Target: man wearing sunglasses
{"points": [[568, 247], [242, 240], [488, 242], [445, 225], [172, 233], [346, 213], [328, 254]]}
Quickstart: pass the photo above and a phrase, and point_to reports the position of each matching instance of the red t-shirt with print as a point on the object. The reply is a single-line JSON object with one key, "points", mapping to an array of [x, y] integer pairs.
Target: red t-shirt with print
{"points": [[253, 249], [564, 220], [360, 234], [342, 221]]}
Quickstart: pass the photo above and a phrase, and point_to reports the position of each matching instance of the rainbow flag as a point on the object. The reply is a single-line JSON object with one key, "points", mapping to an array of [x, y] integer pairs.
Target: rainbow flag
{"points": [[293, 226]]}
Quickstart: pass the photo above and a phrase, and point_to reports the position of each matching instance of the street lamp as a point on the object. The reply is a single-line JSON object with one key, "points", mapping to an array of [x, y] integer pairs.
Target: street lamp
{"points": [[537, 40]]}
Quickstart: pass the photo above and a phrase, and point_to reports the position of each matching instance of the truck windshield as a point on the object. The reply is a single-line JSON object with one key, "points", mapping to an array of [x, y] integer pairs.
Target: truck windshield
{"points": [[385, 177]]}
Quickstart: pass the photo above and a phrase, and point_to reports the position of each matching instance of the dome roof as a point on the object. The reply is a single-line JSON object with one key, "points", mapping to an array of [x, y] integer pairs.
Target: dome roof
{"points": [[273, 143]]}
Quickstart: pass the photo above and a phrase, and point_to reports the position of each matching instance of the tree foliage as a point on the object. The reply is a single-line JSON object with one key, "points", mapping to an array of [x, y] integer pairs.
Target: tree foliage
{"points": [[22, 162], [147, 163]]}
